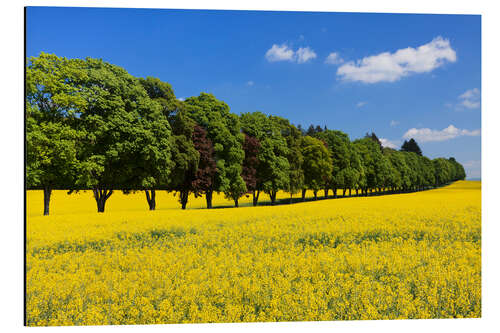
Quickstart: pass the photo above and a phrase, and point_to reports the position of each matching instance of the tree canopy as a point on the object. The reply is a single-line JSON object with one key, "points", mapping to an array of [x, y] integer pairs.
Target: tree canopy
{"points": [[90, 125]]}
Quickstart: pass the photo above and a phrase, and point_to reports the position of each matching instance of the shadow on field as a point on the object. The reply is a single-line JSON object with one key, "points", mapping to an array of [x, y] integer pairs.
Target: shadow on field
{"points": [[288, 201]]}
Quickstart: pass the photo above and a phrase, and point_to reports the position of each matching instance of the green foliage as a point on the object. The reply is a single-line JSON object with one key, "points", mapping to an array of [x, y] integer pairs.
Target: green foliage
{"points": [[273, 172], [126, 136], [317, 163], [371, 156], [340, 148], [50, 154], [223, 129], [90, 124], [295, 160]]}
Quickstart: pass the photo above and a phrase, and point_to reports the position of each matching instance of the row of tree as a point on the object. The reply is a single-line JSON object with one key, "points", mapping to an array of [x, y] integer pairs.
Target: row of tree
{"points": [[92, 125]]}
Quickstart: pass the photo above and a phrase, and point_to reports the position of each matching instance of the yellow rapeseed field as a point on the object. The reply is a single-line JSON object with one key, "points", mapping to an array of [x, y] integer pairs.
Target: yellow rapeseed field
{"points": [[400, 256]]}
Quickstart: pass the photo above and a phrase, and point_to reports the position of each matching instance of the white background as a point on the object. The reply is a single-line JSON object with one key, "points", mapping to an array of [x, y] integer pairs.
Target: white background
{"points": [[12, 192]]}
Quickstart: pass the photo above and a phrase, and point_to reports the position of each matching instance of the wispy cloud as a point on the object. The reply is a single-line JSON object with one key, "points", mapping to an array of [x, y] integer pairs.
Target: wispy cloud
{"points": [[334, 59], [471, 99], [448, 133], [391, 67], [284, 53], [250, 83], [394, 123], [360, 104], [304, 54], [280, 53]]}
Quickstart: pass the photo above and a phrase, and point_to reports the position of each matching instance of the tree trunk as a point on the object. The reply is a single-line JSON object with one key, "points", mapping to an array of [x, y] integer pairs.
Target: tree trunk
{"points": [[349, 191], [291, 197], [255, 197], [315, 194], [335, 192], [357, 192], [343, 192], [151, 198], [101, 195], [272, 196], [326, 193], [304, 195], [184, 196], [236, 203], [208, 196], [47, 191]]}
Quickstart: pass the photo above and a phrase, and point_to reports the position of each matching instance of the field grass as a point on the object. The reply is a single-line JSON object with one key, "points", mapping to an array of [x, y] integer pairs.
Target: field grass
{"points": [[414, 255]]}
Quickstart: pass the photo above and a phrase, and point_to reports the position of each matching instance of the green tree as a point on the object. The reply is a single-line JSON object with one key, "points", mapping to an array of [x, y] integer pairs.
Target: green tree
{"points": [[371, 156], [273, 170], [50, 157], [184, 156], [402, 180], [339, 145], [317, 165], [295, 161], [442, 171], [223, 129], [126, 140], [52, 104], [459, 171]]}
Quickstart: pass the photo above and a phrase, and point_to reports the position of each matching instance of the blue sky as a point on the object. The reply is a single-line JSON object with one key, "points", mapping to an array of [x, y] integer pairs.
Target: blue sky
{"points": [[398, 75]]}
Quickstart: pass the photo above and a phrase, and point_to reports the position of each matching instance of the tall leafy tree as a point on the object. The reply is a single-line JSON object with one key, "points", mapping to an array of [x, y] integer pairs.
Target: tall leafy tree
{"points": [[339, 145], [402, 179], [184, 156], [126, 136], [459, 171], [429, 172], [317, 165], [207, 168], [295, 160], [355, 176], [52, 104], [371, 156], [442, 170], [273, 169], [50, 157], [251, 146], [223, 129]]}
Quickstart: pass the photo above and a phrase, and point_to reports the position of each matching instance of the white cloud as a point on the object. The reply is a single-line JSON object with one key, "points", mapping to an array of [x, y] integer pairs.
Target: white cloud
{"points": [[360, 104], [334, 59], [304, 54], [250, 83], [390, 67], [181, 99], [284, 53], [394, 123], [280, 53], [470, 99], [448, 133], [388, 143]]}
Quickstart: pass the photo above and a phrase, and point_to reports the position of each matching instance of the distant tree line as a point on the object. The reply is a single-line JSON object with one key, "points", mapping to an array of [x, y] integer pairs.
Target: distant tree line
{"points": [[91, 125]]}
